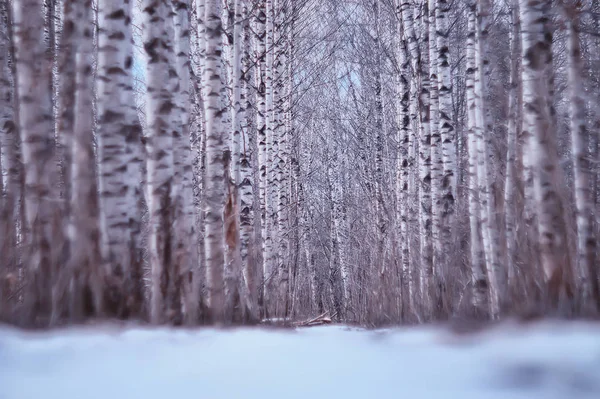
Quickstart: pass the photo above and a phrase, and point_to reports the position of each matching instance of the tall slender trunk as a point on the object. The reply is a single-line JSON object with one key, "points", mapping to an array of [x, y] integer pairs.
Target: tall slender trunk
{"points": [[261, 126], [10, 163], [215, 164], [423, 189], [199, 149], [587, 283], [281, 113], [448, 134], [403, 175], [334, 225], [538, 122], [491, 239], [246, 186], [85, 260], [514, 127], [119, 133], [162, 118], [185, 250], [270, 238], [478, 270], [431, 275], [35, 123], [233, 217], [11, 166], [379, 133], [66, 99]]}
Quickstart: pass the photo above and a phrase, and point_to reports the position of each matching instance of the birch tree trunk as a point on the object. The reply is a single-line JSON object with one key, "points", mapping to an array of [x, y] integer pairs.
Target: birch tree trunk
{"points": [[379, 133], [514, 127], [447, 132], [403, 174], [215, 164], [424, 137], [430, 275], [35, 123], [198, 288], [233, 216], [587, 283], [9, 144], [261, 126], [491, 240], [162, 118], [270, 239], [86, 286], [185, 250], [335, 280], [281, 113], [246, 186], [66, 98], [478, 270], [538, 123], [119, 135]]}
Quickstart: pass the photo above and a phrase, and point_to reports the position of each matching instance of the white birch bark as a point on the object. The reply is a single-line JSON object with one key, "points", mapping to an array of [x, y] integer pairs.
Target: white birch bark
{"points": [[118, 153], [215, 164], [514, 127], [334, 225], [478, 270], [35, 124], [261, 126], [430, 95], [403, 173], [379, 133], [281, 114], [538, 124], [65, 97], [270, 239], [447, 196], [9, 143], [246, 186], [491, 240], [86, 289], [424, 137], [198, 288], [587, 283], [233, 207], [162, 120], [185, 236]]}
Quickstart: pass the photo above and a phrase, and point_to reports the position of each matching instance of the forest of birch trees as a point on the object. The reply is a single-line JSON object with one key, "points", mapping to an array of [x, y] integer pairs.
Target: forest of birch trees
{"points": [[188, 162]]}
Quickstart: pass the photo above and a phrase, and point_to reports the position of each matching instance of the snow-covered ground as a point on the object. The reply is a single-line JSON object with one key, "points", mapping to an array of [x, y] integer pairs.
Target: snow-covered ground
{"points": [[548, 360]]}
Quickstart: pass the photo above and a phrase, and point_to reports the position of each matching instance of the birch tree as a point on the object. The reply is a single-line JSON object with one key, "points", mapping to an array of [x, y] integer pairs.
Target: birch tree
{"points": [[445, 123], [163, 119], [246, 178], [514, 127], [118, 135], [490, 236], [586, 242], [261, 126], [403, 171], [478, 270], [270, 238], [35, 125], [185, 250], [85, 288], [538, 123], [9, 143], [424, 166], [215, 164]]}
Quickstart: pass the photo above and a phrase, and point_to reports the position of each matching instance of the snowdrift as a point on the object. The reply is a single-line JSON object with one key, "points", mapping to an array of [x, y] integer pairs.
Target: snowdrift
{"points": [[548, 360]]}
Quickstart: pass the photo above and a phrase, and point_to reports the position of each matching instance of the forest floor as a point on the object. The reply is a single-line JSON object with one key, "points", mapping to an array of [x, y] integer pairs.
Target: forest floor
{"points": [[540, 360]]}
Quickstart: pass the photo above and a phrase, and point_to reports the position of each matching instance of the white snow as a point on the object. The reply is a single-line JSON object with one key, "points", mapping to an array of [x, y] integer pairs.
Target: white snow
{"points": [[548, 360]]}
